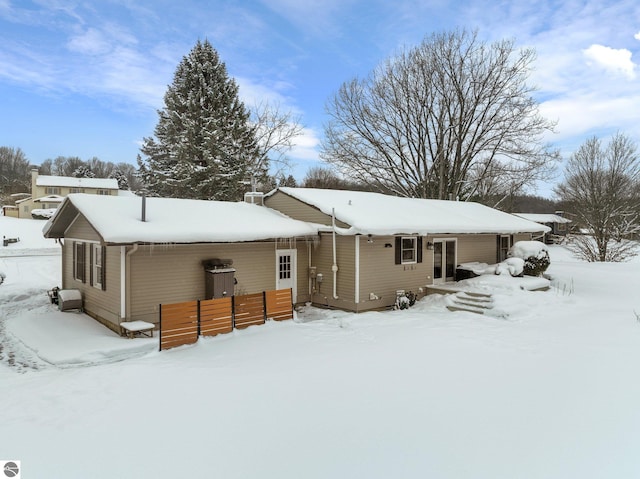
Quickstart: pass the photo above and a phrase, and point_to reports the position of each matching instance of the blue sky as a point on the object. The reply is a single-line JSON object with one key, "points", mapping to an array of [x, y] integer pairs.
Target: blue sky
{"points": [[85, 78]]}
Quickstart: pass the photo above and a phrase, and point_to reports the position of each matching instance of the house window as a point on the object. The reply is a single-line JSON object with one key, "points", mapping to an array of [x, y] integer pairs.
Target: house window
{"points": [[408, 249], [51, 190], [76, 190], [284, 267], [103, 192], [562, 227], [97, 266], [504, 243], [79, 261]]}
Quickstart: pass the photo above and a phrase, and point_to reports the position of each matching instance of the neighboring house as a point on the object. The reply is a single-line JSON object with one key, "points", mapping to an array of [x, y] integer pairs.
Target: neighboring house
{"points": [[128, 255], [373, 245], [47, 192], [558, 224]]}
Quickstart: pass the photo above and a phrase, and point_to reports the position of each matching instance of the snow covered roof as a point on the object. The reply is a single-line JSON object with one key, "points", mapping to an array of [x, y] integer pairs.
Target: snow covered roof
{"points": [[117, 219], [375, 213], [71, 182], [543, 217], [49, 199]]}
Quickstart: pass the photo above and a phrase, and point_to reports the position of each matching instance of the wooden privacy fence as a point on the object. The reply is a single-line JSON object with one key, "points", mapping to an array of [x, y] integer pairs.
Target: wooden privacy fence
{"points": [[183, 323]]}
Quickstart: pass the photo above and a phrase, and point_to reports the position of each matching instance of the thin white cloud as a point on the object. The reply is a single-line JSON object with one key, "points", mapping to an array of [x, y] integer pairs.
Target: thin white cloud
{"points": [[89, 42], [637, 36], [616, 61]]}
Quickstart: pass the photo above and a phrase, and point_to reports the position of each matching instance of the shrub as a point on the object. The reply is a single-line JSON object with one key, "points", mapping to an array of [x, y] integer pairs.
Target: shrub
{"points": [[535, 256]]}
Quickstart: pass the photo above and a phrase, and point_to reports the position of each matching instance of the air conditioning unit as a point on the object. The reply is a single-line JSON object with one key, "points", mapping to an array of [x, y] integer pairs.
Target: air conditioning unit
{"points": [[69, 299]]}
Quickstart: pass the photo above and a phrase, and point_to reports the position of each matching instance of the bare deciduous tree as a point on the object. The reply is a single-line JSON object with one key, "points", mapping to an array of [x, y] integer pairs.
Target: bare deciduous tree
{"points": [[275, 132], [14, 172], [453, 117], [601, 185]]}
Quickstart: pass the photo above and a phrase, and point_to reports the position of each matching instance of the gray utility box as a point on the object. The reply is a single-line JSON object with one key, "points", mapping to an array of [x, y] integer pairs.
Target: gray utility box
{"points": [[69, 299], [219, 278]]}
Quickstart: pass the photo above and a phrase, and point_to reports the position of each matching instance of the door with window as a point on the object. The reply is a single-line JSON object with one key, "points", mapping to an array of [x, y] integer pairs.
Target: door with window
{"points": [[444, 260], [286, 270]]}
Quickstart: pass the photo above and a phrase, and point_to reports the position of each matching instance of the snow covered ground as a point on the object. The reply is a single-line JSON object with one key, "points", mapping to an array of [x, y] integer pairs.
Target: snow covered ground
{"points": [[548, 389]]}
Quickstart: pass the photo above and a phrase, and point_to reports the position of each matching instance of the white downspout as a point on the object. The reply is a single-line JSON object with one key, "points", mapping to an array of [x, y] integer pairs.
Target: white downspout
{"points": [[334, 267], [310, 281], [357, 297], [123, 278]]}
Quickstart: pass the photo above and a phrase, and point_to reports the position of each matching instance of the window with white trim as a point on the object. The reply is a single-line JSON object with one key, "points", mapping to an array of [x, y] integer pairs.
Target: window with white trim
{"points": [[79, 261], [409, 245], [52, 190], [97, 273], [104, 192]]}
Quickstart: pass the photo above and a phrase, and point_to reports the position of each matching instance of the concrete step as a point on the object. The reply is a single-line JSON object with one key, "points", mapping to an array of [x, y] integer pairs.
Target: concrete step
{"points": [[469, 301], [465, 296], [470, 309]]}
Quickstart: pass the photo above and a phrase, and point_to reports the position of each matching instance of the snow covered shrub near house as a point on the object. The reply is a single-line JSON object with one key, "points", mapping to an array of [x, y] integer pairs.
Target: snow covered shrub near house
{"points": [[535, 255]]}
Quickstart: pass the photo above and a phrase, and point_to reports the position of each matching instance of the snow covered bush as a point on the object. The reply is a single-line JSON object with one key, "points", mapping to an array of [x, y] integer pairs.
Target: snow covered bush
{"points": [[512, 266], [405, 300], [535, 255]]}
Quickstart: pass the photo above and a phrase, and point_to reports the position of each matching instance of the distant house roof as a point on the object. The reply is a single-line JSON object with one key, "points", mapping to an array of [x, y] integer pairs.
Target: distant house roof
{"points": [[49, 199], [71, 182], [543, 217], [117, 219], [375, 213]]}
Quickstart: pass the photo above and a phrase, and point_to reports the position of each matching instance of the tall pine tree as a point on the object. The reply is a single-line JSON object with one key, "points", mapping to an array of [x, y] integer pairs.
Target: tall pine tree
{"points": [[203, 142]]}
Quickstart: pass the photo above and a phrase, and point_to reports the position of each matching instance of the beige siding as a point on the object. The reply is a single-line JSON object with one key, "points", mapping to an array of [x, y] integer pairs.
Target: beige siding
{"points": [[480, 248], [322, 259], [174, 273], [81, 229], [379, 275], [104, 305], [298, 210], [303, 283], [522, 237]]}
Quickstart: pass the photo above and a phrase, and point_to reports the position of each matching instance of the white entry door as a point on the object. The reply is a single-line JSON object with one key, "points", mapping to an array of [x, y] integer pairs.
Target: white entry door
{"points": [[286, 270]]}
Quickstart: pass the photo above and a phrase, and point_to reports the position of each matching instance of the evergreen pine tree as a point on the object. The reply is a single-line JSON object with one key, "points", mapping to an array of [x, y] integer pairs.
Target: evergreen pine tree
{"points": [[123, 182], [83, 171], [203, 142]]}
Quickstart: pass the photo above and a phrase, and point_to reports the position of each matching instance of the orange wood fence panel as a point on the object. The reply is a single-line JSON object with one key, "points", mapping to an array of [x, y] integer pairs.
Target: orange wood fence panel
{"points": [[248, 310], [178, 324], [216, 316], [181, 323], [279, 304]]}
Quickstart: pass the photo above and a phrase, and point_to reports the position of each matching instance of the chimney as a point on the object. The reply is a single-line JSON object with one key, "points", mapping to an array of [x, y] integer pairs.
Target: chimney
{"points": [[34, 177], [254, 197], [144, 208]]}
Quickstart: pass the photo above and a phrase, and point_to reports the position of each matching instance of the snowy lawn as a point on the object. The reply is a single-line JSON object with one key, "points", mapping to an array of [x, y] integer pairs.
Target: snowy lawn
{"points": [[548, 390]]}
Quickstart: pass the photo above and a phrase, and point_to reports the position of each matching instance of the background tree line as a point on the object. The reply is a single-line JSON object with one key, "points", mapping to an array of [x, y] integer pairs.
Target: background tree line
{"points": [[451, 118]]}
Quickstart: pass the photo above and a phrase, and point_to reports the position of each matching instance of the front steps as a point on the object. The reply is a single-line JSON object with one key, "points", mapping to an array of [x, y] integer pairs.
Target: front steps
{"points": [[473, 302]]}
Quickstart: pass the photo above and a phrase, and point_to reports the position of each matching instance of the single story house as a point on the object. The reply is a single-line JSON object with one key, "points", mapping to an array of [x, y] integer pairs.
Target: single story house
{"points": [[48, 192], [373, 245], [127, 255], [558, 224]]}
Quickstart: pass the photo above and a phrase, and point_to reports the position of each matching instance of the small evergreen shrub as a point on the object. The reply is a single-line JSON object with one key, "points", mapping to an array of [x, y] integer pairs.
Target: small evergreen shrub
{"points": [[535, 266]]}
